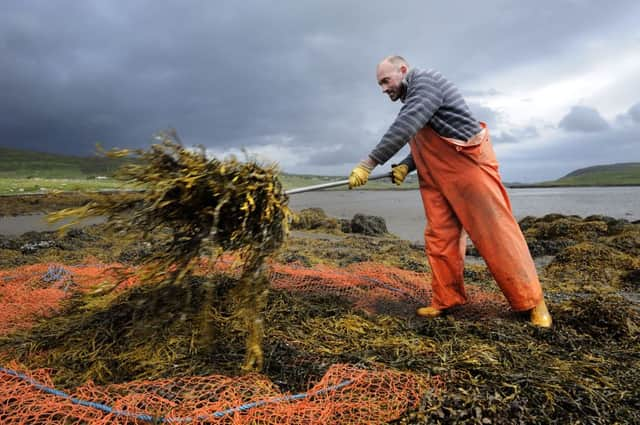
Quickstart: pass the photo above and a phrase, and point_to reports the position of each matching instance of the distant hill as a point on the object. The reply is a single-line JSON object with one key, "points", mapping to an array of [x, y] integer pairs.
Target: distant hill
{"points": [[16, 163], [627, 173]]}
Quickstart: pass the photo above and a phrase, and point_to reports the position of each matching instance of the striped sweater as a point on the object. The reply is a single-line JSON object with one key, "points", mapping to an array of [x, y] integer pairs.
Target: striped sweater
{"points": [[430, 99]]}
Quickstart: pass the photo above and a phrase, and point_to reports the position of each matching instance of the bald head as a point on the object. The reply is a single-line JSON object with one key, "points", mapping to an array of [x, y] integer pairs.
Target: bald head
{"points": [[390, 72], [395, 60]]}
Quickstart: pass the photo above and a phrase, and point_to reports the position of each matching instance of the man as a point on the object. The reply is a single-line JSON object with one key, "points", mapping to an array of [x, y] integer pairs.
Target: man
{"points": [[460, 186]]}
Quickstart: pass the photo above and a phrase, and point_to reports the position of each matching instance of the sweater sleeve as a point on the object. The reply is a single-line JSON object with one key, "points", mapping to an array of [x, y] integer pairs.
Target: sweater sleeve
{"points": [[424, 97], [408, 161]]}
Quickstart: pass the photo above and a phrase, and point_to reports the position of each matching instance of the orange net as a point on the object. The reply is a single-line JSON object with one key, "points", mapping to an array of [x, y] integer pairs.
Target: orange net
{"points": [[346, 394], [35, 291], [377, 288]]}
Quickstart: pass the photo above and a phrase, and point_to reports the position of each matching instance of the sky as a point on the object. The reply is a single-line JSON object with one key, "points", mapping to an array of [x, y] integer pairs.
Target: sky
{"points": [[293, 82]]}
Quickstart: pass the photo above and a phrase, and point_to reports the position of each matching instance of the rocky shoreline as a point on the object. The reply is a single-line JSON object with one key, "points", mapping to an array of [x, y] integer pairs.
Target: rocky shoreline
{"points": [[494, 366]]}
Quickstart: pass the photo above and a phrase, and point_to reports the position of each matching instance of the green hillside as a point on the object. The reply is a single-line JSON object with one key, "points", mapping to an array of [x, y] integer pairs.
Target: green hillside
{"points": [[15, 163], [627, 173]]}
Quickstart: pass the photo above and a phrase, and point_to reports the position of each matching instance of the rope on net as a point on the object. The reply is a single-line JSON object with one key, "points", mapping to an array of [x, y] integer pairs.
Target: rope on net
{"points": [[149, 418]]}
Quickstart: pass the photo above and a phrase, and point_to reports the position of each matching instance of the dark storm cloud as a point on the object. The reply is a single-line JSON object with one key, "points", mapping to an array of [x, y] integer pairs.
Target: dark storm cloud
{"points": [[631, 117], [570, 152], [341, 155], [516, 135], [528, 132], [583, 119], [229, 75], [484, 113]]}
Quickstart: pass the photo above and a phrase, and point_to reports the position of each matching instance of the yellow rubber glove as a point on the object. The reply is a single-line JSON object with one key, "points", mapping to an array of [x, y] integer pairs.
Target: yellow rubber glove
{"points": [[359, 175], [399, 173]]}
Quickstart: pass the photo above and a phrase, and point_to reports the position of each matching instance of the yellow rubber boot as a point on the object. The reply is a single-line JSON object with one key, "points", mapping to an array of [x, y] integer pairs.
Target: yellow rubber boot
{"points": [[540, 315], [428, 312]]}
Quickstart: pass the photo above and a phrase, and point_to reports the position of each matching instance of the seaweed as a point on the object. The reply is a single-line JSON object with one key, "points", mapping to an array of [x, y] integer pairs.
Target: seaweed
{"points": [[192, 206]]}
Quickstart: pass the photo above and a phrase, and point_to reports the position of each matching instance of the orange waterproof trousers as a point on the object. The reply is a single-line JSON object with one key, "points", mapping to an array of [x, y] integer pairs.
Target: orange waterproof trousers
{"points": [[462, 191]]}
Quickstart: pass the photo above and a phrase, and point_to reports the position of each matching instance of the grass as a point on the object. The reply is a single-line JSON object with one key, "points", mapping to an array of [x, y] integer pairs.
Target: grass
{"points": [[41, 185], [16, 163], [614, 174]]}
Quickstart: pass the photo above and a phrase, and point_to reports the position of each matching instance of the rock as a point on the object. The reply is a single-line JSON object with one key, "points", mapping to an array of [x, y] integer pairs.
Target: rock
{"points": [[370, 225], [32, 247], [631, 280], [543, 247], [296, 258], [7, 243], [345, 225], [136, 253], [313, 218]]}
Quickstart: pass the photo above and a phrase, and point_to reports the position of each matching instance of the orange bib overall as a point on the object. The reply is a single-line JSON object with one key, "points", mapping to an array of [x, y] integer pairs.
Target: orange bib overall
{"points": [[461, 189]]}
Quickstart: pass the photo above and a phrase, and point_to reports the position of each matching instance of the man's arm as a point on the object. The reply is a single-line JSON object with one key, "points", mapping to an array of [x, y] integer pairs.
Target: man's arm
{"points": [[424, 97]]}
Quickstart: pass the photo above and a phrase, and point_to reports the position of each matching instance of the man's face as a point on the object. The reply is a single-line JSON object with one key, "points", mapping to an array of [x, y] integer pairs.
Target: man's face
{"points": [[390, 79]]}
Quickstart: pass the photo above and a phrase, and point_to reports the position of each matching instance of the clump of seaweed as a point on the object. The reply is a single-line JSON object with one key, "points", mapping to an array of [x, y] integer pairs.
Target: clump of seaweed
{"points": [[147, 332], [603, 316], [192, 206], [590, 266], [627, 242], [313, 218], [500, 372], [552, 233]]}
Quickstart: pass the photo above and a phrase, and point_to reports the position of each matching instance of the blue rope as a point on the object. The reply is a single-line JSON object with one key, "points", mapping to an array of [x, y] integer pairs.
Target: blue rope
{"points": [[74, 400], [149, 418], [279, 399], [55, 273]]}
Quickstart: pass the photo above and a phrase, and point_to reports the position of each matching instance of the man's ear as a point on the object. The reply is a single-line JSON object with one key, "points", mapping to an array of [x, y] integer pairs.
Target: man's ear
{"points": [[403, 69]]}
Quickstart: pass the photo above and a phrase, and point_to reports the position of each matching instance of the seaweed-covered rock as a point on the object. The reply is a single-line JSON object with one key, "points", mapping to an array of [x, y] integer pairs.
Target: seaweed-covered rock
{"points": [[552, 233], [136, 253], [631, 280], [571, 228], [345, 225], [590, 264], [614, 225], [313, 218], [79, 234], [527, 222], [291, 257], [541, 247], [8, 243], [548, 218], [32, 247], [368, 225], [628, 241]]}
